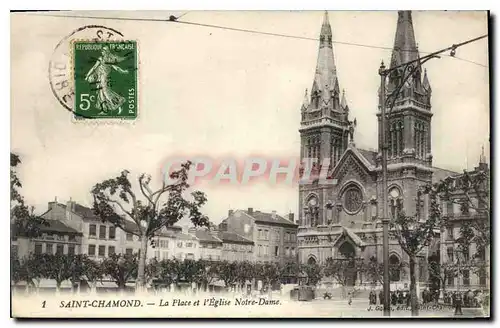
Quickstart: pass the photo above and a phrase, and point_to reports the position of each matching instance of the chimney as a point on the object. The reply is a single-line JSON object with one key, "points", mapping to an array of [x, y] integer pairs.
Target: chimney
{"points": [[273, 215], [230, 213], [291, 217], [250, 211], [70, 207]]}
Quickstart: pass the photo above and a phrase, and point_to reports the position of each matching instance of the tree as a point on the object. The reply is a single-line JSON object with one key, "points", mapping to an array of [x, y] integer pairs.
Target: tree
{"points": [[115, 201], [92, 271], [121, 268], [228, 272], [375, 270], [61, 267], [32, 269], [23, 220], [269, 273], [344, 271], [413, 233], [470, 190], [169, 271], [192, 271], [289, 271], [313, 272], [245, 271], [210, 273]]}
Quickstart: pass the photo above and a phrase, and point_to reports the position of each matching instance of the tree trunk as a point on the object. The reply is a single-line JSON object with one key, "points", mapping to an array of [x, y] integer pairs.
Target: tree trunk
{"points": [[413, 287], [58, 287], [141, 277]]}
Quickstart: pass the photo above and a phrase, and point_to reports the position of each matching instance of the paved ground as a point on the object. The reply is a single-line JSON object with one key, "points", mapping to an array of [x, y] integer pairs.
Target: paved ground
{"points": [[360, 308]]}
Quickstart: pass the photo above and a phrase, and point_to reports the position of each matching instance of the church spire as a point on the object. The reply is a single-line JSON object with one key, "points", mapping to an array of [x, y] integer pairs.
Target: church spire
{"points": [[425, 83], [305, 104], [482, 158], [405, 47], [325, 89]]}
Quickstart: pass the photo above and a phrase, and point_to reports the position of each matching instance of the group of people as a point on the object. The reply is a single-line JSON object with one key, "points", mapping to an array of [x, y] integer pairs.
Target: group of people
{"points": [[399, 297], [463, 299]]}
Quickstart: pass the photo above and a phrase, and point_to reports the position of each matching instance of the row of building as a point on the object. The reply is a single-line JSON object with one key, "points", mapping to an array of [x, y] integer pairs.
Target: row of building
{"points": [[245, 235]]}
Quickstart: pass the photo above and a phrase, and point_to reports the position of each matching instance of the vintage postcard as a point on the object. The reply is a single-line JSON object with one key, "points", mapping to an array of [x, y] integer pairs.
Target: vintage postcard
{"points": [[260, 164]]}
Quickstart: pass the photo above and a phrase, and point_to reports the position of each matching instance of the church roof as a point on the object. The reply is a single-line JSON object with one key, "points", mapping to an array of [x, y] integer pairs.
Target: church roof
{"points": [[346, 232], [369, 155], [325, 78], [405, 47]]}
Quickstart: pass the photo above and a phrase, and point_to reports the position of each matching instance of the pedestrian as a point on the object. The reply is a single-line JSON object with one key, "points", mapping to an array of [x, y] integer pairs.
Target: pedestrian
{"points": [[349, 295], [381, 297], [394, 299], [458, 303]]}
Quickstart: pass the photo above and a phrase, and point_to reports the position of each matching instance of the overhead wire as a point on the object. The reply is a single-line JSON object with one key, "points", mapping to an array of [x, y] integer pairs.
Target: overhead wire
{"points": [[174, 19]]}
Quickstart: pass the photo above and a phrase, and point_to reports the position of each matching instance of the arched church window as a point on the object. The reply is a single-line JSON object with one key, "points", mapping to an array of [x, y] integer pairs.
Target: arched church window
{"points": [[311, 261], [394, 266], [353, 199], [391, 141], [346, 251], [422, 142], [400, 139]]}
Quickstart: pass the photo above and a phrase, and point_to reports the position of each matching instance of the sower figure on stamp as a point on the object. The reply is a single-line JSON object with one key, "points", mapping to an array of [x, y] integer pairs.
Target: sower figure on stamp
{"points": [[108, 100]]}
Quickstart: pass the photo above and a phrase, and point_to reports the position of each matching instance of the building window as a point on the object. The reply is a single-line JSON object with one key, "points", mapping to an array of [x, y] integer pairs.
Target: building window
{"points": [[394, 265], [188, 245], [450, 279], [165, 255], [157, 255], [38, 248], [102, 232], [353, 199], [449, 208], [71, 249], [287, 251], [72, 238], [111, 250], [482, 278], [59, 249], [466, 279], [449, 252], [481, 253], [129, 236], [449, 233], [293, 251], [189, 256], [112, 232], [49, 249], [276, 250], [129, 251], [92, 230], [163, 243], [91, 250]]}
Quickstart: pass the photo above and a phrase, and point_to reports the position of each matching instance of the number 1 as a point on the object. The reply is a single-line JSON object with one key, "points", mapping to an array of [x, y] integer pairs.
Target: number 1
{"points": [[43, 304]]}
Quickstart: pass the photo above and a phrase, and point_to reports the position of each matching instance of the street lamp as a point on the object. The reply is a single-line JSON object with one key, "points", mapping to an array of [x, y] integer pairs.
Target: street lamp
{"points": [[408, 70]]}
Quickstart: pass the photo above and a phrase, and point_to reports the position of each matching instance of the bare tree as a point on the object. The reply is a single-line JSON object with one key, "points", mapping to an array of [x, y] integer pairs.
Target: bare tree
{"points": [[115, 201]]}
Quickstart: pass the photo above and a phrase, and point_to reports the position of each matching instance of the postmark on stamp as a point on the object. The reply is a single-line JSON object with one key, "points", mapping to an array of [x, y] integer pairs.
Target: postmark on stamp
{"points": [[105, 79], [60, 71]]}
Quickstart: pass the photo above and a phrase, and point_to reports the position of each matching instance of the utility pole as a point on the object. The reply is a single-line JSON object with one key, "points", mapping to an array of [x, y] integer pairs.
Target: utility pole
{"points": [[408, 69]]}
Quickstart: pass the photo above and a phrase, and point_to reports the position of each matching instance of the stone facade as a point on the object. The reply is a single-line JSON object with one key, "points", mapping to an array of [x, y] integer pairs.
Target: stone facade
{"points": [[344, 213]]}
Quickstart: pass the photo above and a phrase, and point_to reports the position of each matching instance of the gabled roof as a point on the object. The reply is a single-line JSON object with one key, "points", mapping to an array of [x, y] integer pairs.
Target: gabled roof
{"points": [[84, 211], [348, 233], [262, 217], [233, 238], [360, 155], [369, 155], [205, 236], [439, 174]]}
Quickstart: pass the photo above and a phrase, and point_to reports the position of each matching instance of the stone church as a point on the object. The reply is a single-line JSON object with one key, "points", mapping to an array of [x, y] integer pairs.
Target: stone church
{"points": [[343, 218]]}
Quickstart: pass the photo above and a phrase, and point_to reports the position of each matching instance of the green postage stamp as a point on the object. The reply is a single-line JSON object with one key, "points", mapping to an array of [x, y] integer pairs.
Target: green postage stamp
{"points": [[105, 79]]}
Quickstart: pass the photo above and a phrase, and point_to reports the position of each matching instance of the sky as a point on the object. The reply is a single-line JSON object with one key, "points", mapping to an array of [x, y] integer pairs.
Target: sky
{"points": [[219, 93]]}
